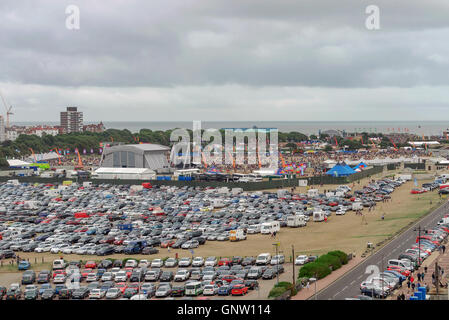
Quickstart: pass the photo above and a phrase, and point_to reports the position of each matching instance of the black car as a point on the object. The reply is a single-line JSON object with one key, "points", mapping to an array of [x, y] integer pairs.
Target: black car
{"points": [[105, 251], [81, 293], [178, 291], [269, 274], [6, 254], [105, 264], [65, 293], [43, 277], [31, 295], [166, 276], [236, 260], [252, 284], [117, 264], [248, 261], [150, 250], [48, 294], [13, 294]]}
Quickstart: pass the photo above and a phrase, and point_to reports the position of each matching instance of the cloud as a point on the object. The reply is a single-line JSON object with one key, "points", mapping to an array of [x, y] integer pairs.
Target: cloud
{"points": [[207, 56]]}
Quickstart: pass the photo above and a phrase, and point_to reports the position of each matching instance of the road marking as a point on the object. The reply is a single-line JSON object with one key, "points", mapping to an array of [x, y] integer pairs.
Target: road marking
{"points": [[346, 287], [352, 282]]}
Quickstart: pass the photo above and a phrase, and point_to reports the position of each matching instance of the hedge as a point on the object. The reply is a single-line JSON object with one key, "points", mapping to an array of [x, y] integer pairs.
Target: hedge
{"points": [[324, 265], [280, 289]]}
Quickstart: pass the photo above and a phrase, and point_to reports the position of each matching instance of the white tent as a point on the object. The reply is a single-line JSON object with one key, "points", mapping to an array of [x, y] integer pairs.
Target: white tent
{"points": [[17, 163], [125, 173]]}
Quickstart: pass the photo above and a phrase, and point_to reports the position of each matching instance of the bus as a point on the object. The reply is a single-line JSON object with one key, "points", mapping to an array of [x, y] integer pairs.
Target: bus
{"points": [[194, 289]]}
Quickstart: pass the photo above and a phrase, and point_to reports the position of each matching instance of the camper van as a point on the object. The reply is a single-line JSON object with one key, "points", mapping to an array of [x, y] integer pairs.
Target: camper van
{"points": [[298, 220], [237, 235], [270, 227], [318, 215], [254, 228]]}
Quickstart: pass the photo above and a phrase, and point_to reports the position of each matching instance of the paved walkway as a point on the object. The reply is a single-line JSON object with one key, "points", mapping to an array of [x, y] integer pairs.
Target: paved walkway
{"points": [[305, 293], [443, 262]]}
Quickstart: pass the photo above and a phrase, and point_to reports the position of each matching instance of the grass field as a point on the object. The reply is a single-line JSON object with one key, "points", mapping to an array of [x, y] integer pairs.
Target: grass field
{"points": [[349, 233]]}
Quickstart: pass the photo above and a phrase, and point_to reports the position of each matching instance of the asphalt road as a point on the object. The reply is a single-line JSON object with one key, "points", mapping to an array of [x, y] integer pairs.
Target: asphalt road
{"points": [[349, 284]]}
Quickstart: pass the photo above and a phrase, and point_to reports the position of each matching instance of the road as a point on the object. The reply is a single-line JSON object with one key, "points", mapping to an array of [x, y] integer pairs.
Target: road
{"points": [[349, 284]]}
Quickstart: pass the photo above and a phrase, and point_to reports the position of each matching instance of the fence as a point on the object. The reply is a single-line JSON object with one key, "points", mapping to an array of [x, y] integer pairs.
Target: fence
{"points": [[416, 166], [246, 186]]}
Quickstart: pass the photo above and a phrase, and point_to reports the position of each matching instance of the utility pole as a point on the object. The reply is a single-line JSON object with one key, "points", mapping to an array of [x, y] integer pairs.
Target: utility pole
{"points": [[293, 262], [419, 243], [437, 277]]}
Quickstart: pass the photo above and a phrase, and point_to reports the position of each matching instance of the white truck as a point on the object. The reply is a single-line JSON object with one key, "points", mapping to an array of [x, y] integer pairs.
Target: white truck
{"points": [[405, 177], [237, 235], [298, 220], [270, 227]]}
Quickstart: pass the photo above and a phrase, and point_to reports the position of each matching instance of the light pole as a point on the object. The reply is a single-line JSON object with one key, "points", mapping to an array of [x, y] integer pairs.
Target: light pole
{"points": [[419, 243], [277, 270]]}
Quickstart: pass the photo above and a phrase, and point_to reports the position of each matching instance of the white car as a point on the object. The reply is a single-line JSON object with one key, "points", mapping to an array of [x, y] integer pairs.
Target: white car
{"points": [[157, 263], [131, 263], [143, 263], [121, 276], [210, 290], [113, 293], [91, 277], [340, 212], [96, 294], [171, 262], [211, 262], [141, 296], [182, 275], [198, 262], [184, 262], [107, 276], [59, 278], [115, 270], [300, 260]]}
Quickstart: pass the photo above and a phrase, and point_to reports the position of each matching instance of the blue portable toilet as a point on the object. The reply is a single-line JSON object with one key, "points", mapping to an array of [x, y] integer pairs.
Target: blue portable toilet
{"points": [[413, 298]]}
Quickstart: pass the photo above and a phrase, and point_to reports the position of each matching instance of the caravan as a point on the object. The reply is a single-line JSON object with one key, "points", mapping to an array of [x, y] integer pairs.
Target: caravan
{"points": [[318, 215], [270, 227], [237, 235], [298, 220]]}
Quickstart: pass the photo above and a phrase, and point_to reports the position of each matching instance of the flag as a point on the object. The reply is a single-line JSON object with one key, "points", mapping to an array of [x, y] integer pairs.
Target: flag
{"points": [[191, 251], [84, 151], [416, 182], [91, 150]]}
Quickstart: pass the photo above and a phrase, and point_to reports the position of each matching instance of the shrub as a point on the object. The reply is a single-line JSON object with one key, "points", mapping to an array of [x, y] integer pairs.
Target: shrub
{"points": [[341, 255], [318, 269], [330, 260], [283, 284], [276, 292]]}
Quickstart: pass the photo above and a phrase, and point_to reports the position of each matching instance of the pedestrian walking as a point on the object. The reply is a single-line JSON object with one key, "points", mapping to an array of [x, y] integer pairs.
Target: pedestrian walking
{"points": [[444, 248], [419, 276], [422, 276], [425, 269], [408, 284], [308, 285], [413, 286]]}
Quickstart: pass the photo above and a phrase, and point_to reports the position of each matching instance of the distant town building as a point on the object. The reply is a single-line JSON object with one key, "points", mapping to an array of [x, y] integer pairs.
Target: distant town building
{"points": [[94, 127], [2, 129], [71, 120]]}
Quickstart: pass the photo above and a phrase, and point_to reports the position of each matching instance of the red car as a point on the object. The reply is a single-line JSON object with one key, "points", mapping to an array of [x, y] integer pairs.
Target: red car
{"points": [[121, 286], [56, 272], [224, 262], [129, 271], [85, 272], [416, 191], [90, 265], [402, 271], [229, 278], [167, 243], [239, 290], [119, 241], [429, 238]]}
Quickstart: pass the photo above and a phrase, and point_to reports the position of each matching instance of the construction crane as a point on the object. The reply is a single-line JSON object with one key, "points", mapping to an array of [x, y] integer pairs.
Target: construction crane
{"points": [[8, 110]]}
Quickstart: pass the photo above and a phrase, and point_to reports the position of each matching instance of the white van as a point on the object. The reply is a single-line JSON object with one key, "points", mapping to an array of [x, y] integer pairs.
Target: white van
{"points": [[270, 227], [237, 235], [357, 206], [263, 259]]}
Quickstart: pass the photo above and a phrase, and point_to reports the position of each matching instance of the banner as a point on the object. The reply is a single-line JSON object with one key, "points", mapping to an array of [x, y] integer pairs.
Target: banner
{"points": [[302, 183]]}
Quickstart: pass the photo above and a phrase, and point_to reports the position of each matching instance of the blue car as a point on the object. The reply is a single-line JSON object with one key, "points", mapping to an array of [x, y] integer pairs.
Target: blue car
{"points": [[224, 291], [24, 265], [44, 287]]}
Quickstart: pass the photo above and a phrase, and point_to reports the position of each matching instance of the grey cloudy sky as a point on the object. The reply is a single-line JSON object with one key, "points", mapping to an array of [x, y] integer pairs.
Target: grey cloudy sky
{"points": [[226, 60]]}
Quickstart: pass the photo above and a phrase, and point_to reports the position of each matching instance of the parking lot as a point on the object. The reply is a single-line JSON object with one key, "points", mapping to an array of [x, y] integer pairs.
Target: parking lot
{"points": [[83, 222]]}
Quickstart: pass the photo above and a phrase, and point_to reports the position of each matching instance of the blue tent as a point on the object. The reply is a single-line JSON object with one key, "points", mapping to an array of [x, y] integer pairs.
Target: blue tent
{"points": [[361, 165], [340, 170]]}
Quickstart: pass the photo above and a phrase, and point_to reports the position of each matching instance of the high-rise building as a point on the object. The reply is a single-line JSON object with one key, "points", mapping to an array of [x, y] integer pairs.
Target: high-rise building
{"points": [[71, 120]]}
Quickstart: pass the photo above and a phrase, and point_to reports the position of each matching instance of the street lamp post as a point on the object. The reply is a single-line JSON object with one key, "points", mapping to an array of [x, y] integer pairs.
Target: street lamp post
{"points": [[277, 270]]}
